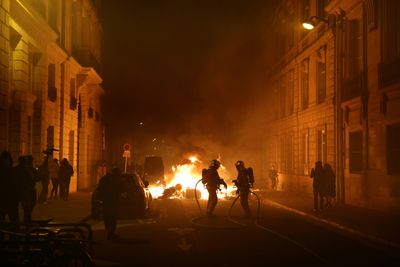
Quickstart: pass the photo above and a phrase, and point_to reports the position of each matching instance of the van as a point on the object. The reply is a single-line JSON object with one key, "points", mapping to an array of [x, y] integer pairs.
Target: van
{"points": [[153, 170]]}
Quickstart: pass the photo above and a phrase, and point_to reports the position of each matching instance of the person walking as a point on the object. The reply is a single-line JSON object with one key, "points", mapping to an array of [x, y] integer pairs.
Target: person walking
{"points": [[330, 184], [27, 176], [244, 182], [212, 181], [273, 176], [109, 190], [55, 179], [9, 196], [101, 170], [65, 173], [44, 178], [317, 173]]}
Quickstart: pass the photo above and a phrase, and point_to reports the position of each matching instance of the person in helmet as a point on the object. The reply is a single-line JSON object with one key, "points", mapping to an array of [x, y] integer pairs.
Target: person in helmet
{"points": [[244, 182], [212, 181]]}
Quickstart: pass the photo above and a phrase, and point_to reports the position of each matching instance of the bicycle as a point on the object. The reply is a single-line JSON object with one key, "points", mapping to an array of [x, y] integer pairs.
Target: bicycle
{"points": [[47, 245]]}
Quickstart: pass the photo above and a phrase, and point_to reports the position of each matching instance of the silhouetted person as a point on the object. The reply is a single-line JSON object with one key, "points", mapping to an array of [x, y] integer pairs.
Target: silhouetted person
{"points": [[27, 176], [317, 173], [101, 170], [212, 181], [44, 178], [109, 190], [9, 195], [55, 179], [244, 182], [330, 180], [65, 173], [273, 176]]}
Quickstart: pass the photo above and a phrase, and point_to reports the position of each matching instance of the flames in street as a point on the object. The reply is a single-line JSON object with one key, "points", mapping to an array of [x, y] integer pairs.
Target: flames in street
{"points": [[187, 175]]}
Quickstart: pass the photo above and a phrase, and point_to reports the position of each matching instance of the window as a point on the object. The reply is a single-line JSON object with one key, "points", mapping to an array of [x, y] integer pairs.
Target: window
{"points": [[72, 98], [71, 147], [276, 100], [321, 145], [282, 96], [355, 153], [289, 153], [51, 82], [389, 69], [304, 83], [50, 136], [32, 61], [305, 151], [321, 75], [393, 149], [354, 49], [291, 91], [282, 154], [391, 30]]}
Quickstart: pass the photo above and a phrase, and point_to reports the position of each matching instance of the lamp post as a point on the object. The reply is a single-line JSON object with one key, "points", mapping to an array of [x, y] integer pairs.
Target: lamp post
{"points": [[335, 22]]}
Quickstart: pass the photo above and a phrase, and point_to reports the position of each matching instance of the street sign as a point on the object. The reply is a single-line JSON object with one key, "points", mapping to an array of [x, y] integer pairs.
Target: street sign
{"points": [[127, 154], [127, 147]]}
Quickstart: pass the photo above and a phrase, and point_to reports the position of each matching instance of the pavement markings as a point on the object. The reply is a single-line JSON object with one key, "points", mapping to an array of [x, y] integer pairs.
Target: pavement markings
{"points": [[182, 232]]}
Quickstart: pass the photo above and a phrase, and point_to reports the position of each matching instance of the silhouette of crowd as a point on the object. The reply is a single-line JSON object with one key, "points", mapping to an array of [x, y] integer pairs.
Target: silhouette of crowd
{"points": [[18, 184], [324, 186]]}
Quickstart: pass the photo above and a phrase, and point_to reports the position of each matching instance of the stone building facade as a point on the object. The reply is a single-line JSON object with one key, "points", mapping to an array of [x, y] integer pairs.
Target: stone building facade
{"points": [[335, 98], [51, 90]]}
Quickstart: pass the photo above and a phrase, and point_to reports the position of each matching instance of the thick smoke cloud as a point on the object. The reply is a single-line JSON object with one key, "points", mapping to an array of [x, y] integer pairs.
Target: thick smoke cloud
{"points": [[195, 74]]}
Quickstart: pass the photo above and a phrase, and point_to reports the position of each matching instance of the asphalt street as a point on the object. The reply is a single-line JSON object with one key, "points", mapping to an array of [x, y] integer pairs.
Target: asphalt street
{"points": [[176, 235]]}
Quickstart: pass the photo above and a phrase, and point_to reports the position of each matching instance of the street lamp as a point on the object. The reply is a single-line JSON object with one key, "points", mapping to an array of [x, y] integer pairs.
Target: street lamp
{"points": [[335, 22], [310, 23]]}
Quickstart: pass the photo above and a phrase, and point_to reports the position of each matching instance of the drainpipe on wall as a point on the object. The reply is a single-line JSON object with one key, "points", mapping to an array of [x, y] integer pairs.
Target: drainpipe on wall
{"points": [[339, 128], [62, 91], [364, 100]]}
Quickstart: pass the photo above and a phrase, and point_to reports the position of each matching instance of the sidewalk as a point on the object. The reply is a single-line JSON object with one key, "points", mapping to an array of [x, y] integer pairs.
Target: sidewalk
{"points": [[74, 210], [379, 227]]}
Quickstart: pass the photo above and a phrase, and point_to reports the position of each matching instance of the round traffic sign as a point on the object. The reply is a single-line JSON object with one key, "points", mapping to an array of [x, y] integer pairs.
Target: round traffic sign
{"points": [[127, 146]]}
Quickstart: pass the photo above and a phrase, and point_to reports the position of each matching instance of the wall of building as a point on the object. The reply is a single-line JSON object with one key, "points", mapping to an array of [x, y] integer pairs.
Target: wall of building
{"points": [[369, 95], [39, 71]]}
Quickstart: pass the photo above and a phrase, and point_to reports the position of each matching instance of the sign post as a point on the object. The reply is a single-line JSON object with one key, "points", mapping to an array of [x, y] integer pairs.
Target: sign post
{"points": [[126, 155]]}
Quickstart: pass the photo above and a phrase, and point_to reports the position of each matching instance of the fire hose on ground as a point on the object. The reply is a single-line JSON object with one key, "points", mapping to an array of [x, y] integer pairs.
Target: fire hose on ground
{"points": [[239, 225]]}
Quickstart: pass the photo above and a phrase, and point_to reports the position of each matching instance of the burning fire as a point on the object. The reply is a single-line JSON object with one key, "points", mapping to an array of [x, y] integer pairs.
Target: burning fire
{"points": [[187, 175]]}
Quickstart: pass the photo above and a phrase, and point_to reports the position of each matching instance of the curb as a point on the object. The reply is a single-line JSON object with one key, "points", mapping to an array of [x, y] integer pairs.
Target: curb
{"points": [[336, 225]]}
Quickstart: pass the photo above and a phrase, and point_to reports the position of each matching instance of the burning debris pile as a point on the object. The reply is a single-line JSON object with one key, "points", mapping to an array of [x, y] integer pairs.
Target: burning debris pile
{"points": [[183, 181]]}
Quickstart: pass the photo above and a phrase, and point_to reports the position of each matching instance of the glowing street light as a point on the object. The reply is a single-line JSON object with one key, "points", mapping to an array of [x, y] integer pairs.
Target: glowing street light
{"points": [[310, 23]]}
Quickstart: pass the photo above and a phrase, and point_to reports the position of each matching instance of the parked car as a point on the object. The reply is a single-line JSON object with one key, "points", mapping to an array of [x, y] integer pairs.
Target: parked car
{"points": [[153, 170], [134, 200]]}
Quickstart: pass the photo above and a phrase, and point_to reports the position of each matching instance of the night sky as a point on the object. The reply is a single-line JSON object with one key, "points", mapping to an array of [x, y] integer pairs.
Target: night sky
{"points": [[188, 70]]}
